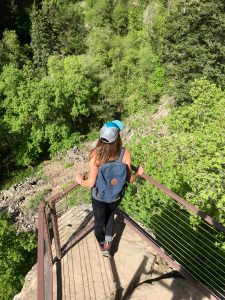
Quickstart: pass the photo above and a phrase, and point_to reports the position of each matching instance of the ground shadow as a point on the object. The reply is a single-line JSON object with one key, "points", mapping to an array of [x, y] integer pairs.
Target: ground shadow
{"points": [[59, 279], [177, 289], [136, 278], [132, 288], [83, 224], [118, 286], [122, 293], [118, 232]]}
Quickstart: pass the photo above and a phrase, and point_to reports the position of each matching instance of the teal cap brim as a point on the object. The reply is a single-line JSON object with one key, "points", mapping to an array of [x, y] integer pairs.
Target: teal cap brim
{"points": [[119, 124]]}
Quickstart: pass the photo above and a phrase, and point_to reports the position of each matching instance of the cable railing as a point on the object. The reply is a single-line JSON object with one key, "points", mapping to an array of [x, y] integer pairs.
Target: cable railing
{"points": [[194, 250], [70, 221], [189, 237]]}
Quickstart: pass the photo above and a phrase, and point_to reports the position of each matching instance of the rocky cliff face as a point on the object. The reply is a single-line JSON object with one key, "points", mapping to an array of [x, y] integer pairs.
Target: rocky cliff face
{"points": [[12, 201], [17, 200]]}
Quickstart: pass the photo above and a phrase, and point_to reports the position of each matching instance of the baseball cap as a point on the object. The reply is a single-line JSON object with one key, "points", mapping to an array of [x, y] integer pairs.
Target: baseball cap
{"points": [[110, 131]]}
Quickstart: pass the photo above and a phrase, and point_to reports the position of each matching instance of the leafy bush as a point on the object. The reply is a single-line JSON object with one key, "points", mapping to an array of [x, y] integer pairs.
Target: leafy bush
{"points": [[17, 255], [37, 199], [189, 159], [45, 113], [77, 196]]}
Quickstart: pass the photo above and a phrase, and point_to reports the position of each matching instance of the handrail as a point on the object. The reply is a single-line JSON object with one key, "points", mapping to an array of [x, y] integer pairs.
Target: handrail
{"points": [[182, 201], [51, 202], [55, 198]]}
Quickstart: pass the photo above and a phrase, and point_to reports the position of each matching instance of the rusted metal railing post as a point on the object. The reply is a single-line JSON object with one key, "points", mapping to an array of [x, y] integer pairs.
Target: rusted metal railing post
{"points": [[48, 240], [55, 228], [40, 262]]}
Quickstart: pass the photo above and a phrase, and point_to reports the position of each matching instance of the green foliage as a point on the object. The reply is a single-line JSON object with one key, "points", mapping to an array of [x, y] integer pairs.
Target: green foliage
{"points": [[156, 17], [194, 44], [46, 106], [47, 111], [99, 43], [136, 14], [98, 13], [57, 28], [188, 160], [67, 184], [120, 17], [206, 109], [16, 257], [68, 165], [11, 51], [136, 77], [37, 199], [78, 196]]}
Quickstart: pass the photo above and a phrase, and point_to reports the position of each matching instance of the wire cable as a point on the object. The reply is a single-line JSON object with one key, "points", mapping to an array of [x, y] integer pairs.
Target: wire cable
{"points": [[200, 241], [198, 278], [183, 251], [202, 220], [204, 262]]}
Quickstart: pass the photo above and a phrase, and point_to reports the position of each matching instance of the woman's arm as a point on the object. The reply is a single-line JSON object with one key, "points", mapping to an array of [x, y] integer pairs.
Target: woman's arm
{"points": [[127, 160], [92, 175]]}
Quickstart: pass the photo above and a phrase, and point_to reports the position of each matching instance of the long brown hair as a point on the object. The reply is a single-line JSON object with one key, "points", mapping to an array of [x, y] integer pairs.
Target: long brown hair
{"points": [[105, 152]]}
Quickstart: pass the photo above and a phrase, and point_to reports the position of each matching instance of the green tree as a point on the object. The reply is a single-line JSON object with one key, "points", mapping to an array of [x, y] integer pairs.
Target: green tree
{"points": [[136, 77], [120, 17], [47, 114], [11, 50], [98, 13], [57, 29], [194, 43], [136, 14]]}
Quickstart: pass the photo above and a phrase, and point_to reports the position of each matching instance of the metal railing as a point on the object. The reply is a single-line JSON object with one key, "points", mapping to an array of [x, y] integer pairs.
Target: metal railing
{"points": [[45, 259], [63, 237], [166, 244], [188, 239]]}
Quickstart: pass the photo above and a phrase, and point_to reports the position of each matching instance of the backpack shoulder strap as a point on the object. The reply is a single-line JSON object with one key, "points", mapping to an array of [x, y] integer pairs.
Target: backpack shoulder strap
{"points": [[121, 154]]}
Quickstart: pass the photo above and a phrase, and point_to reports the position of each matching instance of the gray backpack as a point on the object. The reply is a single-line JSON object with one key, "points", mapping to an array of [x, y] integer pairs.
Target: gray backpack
{"points": [[111, 180]]}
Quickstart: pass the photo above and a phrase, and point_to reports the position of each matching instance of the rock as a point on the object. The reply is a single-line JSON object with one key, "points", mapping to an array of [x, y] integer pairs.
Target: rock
{"points": [[26, 186], [32, 181], [20, 199], [75, 149], [14, 187], [29, 289], [92, 145], [8, 194], [11, 210], [41, 181]]}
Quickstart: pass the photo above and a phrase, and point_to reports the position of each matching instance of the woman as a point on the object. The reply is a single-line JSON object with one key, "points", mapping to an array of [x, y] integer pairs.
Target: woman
{"points": [[110, 171]]}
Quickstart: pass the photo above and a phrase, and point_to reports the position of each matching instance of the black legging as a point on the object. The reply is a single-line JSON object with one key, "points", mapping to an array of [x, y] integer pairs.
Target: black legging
{"points": [[104, 219]]}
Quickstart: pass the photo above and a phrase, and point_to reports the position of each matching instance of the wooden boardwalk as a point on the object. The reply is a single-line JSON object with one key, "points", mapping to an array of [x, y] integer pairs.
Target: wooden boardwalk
{"points": [[84, 273]]}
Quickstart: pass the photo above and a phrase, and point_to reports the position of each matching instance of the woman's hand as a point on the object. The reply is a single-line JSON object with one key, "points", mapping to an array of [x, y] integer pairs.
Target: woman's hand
{"points": [[140, 170], [79, 178]]}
